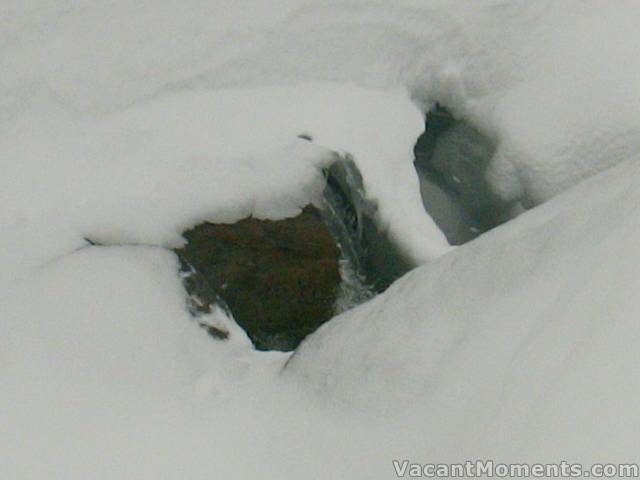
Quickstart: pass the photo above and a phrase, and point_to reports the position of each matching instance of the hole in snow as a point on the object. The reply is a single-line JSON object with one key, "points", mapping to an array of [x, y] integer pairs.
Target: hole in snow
{"points": [[280, 280], [451, 158]]}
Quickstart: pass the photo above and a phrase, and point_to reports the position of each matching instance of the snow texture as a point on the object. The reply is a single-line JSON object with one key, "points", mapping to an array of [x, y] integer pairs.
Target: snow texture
{"points": [[126, 122], [517, 345]]}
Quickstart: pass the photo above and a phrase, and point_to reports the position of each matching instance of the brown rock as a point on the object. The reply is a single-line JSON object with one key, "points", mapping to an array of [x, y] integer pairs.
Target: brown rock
{"points": [[279, 279]]}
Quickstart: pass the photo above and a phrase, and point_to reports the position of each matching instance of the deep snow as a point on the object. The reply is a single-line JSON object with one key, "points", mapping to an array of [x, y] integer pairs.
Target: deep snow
{"points": [[518, 345], [126, 122]]}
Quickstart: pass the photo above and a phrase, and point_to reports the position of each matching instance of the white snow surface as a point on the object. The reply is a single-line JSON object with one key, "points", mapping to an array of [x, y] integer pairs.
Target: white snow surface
{"points": [[146, 173], [126, 122], [519, 345]]}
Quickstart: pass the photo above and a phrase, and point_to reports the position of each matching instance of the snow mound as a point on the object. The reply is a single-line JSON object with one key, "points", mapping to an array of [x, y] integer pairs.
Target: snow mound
{"points": [[521, 342], [554, 83], [127, 122], [103, 103], [145, 174]]}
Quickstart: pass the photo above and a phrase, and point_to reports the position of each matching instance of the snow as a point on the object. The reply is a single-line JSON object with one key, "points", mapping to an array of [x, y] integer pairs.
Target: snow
{"points": [[127, 122], [518, 345], [146, 173], [102, 374]]}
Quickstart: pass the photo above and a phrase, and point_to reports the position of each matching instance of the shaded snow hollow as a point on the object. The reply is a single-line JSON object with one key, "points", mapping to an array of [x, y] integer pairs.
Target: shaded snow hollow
{"points": [[129, 123]]}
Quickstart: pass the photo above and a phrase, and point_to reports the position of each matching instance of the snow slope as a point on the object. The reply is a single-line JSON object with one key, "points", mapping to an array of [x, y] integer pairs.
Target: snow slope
{"points": [[519, 345], [126, 122]]}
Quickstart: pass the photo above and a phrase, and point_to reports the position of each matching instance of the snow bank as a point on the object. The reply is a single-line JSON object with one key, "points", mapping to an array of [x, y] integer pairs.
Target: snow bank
{"points": [[517, 346], [127, 122], [521, 344], [145, 174], [104, 375], [554, 83], [97, 343]]}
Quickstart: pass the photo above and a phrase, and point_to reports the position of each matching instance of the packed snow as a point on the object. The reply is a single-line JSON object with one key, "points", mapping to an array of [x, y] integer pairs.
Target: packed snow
{"points": [[123, 123]]}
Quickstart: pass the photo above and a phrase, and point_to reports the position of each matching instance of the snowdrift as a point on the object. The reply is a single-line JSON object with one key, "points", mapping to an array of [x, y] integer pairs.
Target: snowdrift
{"points": [[517, 345], [128, 122]]}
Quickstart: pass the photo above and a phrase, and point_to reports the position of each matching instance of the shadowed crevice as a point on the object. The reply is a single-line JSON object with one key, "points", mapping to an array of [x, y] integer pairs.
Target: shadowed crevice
{"points": [[451, 159]]}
